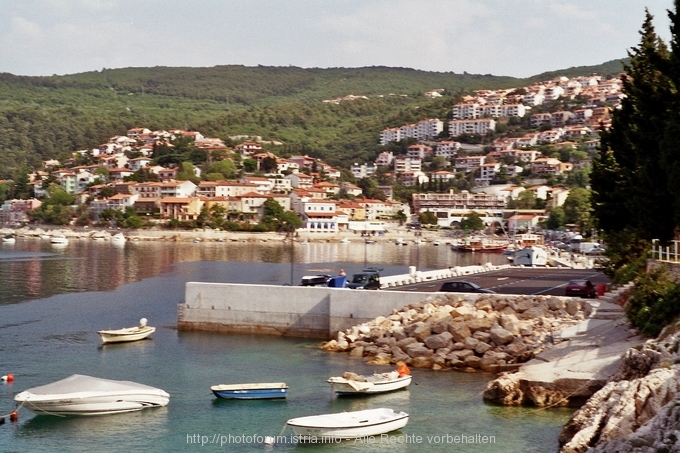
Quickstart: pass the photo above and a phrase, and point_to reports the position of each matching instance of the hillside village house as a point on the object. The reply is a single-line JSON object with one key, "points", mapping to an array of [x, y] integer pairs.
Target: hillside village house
{"points": [[216, 189]]}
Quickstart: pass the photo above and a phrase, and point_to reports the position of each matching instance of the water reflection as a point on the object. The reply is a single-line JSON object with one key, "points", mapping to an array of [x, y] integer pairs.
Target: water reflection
{"points": [[34, 269]]}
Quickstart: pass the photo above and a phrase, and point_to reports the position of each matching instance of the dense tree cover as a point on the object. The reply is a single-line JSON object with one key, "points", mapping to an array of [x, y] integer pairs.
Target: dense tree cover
{"points": [[50, 117], [472, 222], [636, 178]]}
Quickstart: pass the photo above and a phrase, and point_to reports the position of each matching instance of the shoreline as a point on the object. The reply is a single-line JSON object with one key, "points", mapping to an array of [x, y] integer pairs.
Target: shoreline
{"points": [[210, 235]]}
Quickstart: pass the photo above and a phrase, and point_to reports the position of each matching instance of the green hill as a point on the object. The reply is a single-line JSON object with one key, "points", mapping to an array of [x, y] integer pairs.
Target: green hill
{"points": [[50, 117]]}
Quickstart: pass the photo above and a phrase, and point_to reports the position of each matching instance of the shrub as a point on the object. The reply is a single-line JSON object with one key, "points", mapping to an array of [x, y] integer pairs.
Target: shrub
{"points": [[654, 302]]}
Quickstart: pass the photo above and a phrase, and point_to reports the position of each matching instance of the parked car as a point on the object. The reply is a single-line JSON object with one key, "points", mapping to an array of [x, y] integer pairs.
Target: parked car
{"points": [[367, 279], [580, 288], [463, 287], [315, 280]]}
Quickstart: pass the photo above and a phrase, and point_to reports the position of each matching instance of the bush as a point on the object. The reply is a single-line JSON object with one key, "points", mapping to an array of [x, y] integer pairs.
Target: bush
{"points": [[654, 302]]}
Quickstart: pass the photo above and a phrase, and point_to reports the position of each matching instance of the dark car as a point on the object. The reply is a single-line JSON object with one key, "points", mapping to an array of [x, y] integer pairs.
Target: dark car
{"points": [[315, 280], [367, 279], [580, 288], [463, 287]]}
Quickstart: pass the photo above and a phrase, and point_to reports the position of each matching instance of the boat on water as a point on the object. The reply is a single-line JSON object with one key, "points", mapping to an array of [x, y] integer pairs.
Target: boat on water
{"points": [[136, 333], [9, 239], [59, 239], [86, 395], [251, 391], [348, 425], [354, 384], [118, 238]]}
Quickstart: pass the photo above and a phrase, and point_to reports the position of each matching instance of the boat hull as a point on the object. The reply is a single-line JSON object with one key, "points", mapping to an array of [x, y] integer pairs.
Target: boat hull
{"points": [[253, 391], [93, 405], [348, 425], [125, 335], [87, 395], [345, 387]]}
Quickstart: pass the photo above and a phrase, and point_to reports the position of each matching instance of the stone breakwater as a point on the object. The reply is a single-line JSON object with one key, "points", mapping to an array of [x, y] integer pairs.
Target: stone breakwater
{"points": [[639, 409], [467, 332]]}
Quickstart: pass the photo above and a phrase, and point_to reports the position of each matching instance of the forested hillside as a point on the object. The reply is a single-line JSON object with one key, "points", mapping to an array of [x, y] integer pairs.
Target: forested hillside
{"points": [[49, 117]]}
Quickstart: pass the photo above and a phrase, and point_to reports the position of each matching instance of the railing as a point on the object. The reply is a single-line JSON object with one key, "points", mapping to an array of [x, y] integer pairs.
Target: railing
{"points": [[668, 253]]}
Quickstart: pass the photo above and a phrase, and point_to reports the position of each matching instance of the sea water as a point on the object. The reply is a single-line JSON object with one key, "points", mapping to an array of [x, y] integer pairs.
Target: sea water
{"points": [[53, 300]]}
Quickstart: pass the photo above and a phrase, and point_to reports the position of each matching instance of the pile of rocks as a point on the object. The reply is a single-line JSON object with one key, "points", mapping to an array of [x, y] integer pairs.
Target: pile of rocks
{"points": [[458, 331]]}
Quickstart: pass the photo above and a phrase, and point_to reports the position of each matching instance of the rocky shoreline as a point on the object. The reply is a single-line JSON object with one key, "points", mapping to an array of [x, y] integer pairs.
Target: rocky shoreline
{"points": [[639, 409], [466, 332]]}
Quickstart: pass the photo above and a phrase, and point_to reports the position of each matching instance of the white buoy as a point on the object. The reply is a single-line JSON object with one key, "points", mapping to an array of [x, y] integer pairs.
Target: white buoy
{"points": [[142, 322], [269, 440]]}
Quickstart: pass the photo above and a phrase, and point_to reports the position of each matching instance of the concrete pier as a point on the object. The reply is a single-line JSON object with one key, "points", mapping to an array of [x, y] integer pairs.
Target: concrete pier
{"points": [[313, 312]]}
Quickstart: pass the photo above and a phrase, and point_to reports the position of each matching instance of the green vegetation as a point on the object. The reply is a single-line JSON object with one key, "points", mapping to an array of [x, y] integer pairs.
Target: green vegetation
{"points": [[50, 117], [635, 190]]}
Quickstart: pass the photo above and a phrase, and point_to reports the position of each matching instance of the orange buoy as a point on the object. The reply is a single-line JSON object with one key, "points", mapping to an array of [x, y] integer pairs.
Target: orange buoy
{"points": [[10, 377], [13, 416]]}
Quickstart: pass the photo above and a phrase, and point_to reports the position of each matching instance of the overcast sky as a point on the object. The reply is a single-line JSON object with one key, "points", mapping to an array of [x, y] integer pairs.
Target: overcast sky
{"points": [[517, 38]]}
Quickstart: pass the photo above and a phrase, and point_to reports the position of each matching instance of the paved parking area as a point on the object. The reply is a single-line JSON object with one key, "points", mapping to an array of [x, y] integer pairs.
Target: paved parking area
{"points": [[519, 280]]}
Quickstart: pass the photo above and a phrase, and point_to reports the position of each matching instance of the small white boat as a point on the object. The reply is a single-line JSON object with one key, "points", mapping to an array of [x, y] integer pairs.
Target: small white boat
{"points": [[348, 425], [139, 332], [59, 239], [118, 238], [9, 239], [354, 384], [251, 391], [86, 395]]}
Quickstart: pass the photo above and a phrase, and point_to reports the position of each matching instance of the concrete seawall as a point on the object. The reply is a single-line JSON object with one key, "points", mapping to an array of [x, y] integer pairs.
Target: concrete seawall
{"points": [[313, 312]]}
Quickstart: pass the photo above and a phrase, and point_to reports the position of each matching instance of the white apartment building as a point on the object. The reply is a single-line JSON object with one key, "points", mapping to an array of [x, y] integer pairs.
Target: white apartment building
{"points": [[447, 149], [465, 111], [402, 164], [390, 135], [362, 170], [385, 158], [469, 163], [479, 126]]}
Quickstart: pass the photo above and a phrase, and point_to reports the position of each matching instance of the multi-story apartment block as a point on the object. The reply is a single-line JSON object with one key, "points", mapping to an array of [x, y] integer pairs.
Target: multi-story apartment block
{"points": [[390, 135], [465, 111], [479, 126], [499, 110], [412, 178], [550, 166], [452, 207], [560, 118], [540, 118], [362, 170], [418, 151], [385, 158], [468, 163], [530, 139], [402, 164], [429, 128], [447, 149]]}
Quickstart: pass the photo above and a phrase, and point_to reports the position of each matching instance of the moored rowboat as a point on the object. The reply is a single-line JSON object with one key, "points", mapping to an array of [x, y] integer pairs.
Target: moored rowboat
{"points": [[348, 425], [251, 391]]}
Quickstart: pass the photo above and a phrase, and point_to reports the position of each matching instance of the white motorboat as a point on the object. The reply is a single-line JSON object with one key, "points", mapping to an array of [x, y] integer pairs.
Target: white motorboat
{"points": [[9, 239], [354, 384], [59, 239], [348, 425], [86, 395], [136, 333], [118, 238]]}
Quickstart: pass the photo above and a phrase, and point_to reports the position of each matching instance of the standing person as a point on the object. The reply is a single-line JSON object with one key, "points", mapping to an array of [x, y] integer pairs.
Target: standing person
{"points": [[342, 273]]}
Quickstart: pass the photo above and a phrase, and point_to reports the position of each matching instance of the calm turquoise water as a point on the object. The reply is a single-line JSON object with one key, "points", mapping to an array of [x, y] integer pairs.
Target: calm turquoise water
{"points": [[52, 302]]}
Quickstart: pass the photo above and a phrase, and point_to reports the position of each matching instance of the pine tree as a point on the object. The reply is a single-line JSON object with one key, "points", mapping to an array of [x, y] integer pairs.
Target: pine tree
{"points": [[630, 181]]}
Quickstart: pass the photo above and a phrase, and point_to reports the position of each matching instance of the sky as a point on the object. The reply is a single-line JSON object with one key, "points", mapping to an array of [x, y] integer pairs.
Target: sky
{"points": [[518, 38]]}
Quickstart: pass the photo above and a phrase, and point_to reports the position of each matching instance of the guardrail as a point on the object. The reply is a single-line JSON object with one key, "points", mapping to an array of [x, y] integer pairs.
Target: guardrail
{"points": [[667, 253], [415, 276]]}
